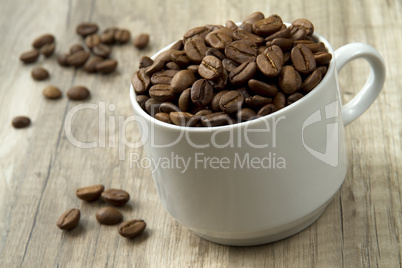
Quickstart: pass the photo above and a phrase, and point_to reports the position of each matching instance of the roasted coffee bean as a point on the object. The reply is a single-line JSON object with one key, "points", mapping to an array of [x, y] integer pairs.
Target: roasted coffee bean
{"points": [[279, 101], [122, 36], [269, 63], [195, 48], [164, 117], [253, 17], [202, 93], [115, 197], [285, 44], [268, 25], [311, 81], [106, 66], [69, 219], [142, 99], [305, 24], [243, 73], [229, 65], [52, 92], [162, 93], [241, 51], [152, 106], [21, 121], [179, 45], [75, 48], [62, 59], [203, 112], [322, 69], [289, 80], [92, 40], [90, 65], [257, 101], [141, 82], [193, 68], [248, 27], [297, 33], [163, 77], [141, 41], [277, 50], [180, 58], [231, 101], [313, 46], [107, 36], [286, 58], [182, 119], [168, 107], [155, 67], [221, 82], [182, 80], [78, 93], [210, 68], [86, 28], [132, 228], [266, 110], [294, 97], [42, 40], [48, 49], [218, 40], [303, 59], [172, 66], [109, 216], [244, 92], [215, 100], [231, 25], [78, 58], [322, 58], [101, 50], [262, 88], [39, 73], [196, 109], [29, 56], [145, 62], [185, 100], [90, 193], [216, 119], [201, 31], [246, 114], [215, 52], [244, 35], [283, 33]]}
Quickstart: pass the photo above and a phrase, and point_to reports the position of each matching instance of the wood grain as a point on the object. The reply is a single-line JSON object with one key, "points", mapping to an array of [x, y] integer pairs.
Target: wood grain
{"points": [[40, 168]]}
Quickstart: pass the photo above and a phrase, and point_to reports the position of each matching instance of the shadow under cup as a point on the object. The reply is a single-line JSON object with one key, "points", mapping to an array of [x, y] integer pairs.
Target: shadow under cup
{"points": [[253, 182]]}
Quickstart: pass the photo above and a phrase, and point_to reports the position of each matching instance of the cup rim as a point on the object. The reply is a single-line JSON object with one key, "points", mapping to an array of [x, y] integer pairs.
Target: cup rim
{"points": [[139, 111]]}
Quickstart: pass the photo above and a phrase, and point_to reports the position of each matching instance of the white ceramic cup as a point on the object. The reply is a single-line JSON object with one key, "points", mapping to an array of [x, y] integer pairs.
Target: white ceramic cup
{"points": [[263, 180]]}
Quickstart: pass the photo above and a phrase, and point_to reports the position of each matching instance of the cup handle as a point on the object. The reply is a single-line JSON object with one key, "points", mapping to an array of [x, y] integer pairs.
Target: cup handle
{"points": [[367, 95]]}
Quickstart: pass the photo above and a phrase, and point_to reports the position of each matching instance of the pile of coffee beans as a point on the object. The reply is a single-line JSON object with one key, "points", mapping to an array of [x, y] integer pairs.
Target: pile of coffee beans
{"points": [[106, 215], [218, 75]]}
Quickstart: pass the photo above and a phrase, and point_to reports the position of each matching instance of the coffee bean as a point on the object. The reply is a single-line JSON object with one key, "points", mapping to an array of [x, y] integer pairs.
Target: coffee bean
{"points": [[268, 25], [195, 48], [203, 112], [163, 77], [29, 56], [42, 40], [109, 216], [39, 73], [101, 50], [313, 46], [201, 92], [165, 56], [180, 58], [179, 45], [277, 50], [152, 106], [78, 93], [283, 33], [247, 27], [122, 36], [266, 110], [221, 82], [75, 48], [322, 69], [269, 63], [145, 62], [107, 36], [216, 53], [243, 73], [86, 28], [305, 24], [185, 100], [322, 58], [172, 66], [231, 101], [193, 68], [52, 92], [164, 117], [218, 40], [210, 67], [243, 35], [106, 66], [168, 107], [303, 59], [311, 81], [201, 31], [90, 65], [294, 97], [78, 58], [21, 121], [279, 101], [142, 99], [253, 17], [155, 67], [141, 41], [241, 51], [90, 193], [286, 58], [244, 92], [229, 65], [115, 197], [132, 228], [62, 59], [162, 93], [216, 119], [289, 80], [215, 100], [92, 40], [141, 82], [262, 88], [231, 25], [48, 49], [182, 119], [246, 114], [257, 101], [285, 44], [69, 219], [182, 80], [297, 33]]}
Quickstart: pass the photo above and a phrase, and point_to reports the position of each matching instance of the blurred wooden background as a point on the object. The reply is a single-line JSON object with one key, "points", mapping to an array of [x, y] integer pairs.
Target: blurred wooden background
{"points": [[40, 169]]}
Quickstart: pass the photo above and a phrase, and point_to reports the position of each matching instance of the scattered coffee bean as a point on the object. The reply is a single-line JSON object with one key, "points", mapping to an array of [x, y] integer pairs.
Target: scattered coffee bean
{"points": [[115, 197], [42, 40], [86, 28], [78, 93], [107, 37], [69, 219], [48, 49], [90, 193], [52, 92], [62, 59], [21, 121], [90, 65], [92, 40], [109, 216], [141, 41], [75, 48], [122, 36], [78, 58], [39, 73], [132, 228], [29, 56], [106, 66]]}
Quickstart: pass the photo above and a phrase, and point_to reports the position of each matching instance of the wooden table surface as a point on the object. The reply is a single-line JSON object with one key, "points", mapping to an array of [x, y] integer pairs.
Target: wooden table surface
{"points": [[40, 168]]}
